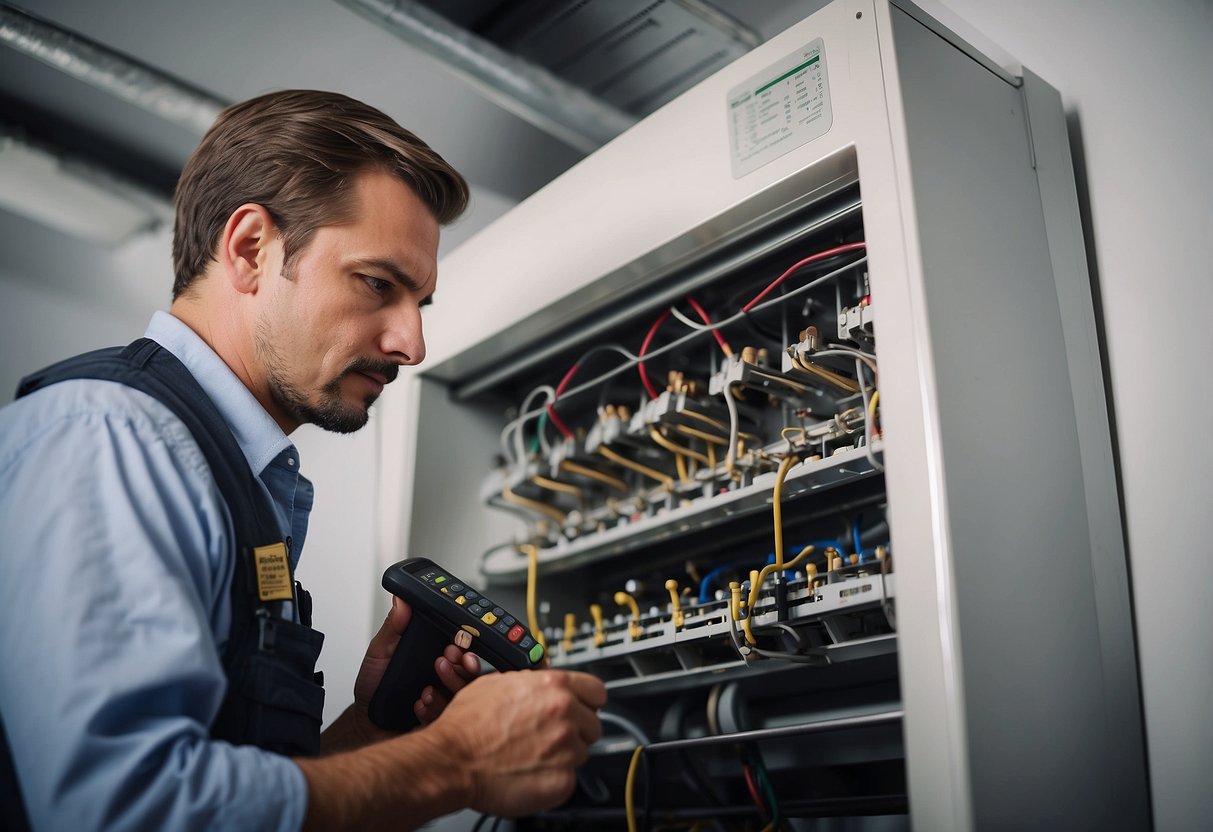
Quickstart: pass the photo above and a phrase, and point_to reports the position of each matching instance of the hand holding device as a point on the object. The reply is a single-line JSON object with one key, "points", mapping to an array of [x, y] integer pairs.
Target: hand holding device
{"points": [[445, 610]]}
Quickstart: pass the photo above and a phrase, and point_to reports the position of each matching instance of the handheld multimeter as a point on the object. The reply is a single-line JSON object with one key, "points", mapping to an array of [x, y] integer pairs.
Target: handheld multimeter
{"points": [[445, 610]]}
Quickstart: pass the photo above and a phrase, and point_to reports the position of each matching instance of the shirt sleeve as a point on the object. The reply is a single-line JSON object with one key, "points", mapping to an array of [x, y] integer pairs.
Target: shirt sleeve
{"points": [[114, 569]]}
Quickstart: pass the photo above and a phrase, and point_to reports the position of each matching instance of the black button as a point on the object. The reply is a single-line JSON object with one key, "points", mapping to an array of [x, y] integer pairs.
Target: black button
{"points": [[510, 621], [501, 627], [475, 611], [472, 595], [498, 611], [527, 643], [485, 602], [456, 587]]}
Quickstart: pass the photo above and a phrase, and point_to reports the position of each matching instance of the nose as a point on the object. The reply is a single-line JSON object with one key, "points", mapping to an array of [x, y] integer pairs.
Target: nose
{"points": [[403, 340]]}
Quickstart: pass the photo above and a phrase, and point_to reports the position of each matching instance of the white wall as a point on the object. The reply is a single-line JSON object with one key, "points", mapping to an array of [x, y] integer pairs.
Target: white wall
{"points": [[1137, 82]]}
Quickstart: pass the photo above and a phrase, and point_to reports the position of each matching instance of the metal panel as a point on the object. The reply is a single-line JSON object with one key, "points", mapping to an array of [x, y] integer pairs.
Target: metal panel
{"points": [[1013, 634], [1038, 734]]}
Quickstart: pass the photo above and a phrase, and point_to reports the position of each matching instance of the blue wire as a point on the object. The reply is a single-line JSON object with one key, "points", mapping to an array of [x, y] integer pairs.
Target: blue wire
{"points": [[855, 533]]}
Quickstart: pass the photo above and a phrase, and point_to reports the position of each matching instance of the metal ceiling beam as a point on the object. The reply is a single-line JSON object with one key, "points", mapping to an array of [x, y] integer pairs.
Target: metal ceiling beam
{"points": [[109, 71], [529, 91]]}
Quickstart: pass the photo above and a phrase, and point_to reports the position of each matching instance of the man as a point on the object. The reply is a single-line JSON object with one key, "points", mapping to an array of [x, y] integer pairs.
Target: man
{"points": [[138, 658]]}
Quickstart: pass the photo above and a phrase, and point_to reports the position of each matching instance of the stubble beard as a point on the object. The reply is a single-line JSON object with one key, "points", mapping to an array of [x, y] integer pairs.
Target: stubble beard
{"points": [[329, 411]]}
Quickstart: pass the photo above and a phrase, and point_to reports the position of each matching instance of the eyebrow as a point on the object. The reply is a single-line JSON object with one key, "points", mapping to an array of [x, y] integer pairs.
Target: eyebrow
{"points": [[396, 273]]}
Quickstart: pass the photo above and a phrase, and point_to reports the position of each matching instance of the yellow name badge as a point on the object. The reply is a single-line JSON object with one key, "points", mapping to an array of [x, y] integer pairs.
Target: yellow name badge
{"points": [[273, 572]]}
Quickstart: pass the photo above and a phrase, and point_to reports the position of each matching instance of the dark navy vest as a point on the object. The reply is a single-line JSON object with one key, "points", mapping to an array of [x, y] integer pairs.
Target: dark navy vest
{"points": [[274, 697]]}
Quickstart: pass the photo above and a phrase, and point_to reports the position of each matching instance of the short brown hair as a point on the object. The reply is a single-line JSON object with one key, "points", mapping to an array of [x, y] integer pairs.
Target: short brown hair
{"points": [[296, 153]]}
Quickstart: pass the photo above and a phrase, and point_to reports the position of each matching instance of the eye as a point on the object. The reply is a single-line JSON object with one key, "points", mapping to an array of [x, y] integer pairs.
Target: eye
{"points": [[376, 284]]}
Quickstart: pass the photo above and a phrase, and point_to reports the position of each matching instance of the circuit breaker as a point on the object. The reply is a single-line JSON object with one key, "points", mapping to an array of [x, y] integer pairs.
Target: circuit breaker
{"points": [[782, 413]]}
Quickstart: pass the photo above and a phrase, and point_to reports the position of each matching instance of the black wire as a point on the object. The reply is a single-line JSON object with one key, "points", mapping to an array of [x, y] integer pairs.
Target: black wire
{"points": [[496, 822], [480, 822]]}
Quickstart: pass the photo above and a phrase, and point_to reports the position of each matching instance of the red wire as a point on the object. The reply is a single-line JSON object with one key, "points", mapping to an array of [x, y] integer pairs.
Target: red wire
{"points": [[704, 315], [753, 787], [821, 255], [556, 420], [648, 339]]}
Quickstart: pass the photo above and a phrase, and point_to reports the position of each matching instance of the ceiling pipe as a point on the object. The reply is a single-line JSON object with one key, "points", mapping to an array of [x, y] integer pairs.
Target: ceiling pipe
{"points": [[529, 91], [109, 71]]}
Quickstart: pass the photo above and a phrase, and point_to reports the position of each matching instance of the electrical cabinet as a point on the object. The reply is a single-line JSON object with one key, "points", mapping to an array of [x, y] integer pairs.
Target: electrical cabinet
{"points": [[785, 410]]}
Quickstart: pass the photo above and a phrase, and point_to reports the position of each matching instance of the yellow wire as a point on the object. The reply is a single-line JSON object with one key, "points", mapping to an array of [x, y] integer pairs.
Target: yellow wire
{"points": [[702, 417], [676, 615], [756, 587], [776, 500], [570, 622], [699, 434], [783, 434], [625, 600], [554, 485], [747, 623], [675, 448], [680, 465], [664, 479], [599, 635], [872, 411], [841, 382], [532, 578], [712, 457], [757, 578], [629, 789], [556, 514], [594, 474]]}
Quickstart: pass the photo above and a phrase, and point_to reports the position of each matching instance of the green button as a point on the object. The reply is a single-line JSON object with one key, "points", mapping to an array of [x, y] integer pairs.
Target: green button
{"points": [[536, 653], [440, 579]]}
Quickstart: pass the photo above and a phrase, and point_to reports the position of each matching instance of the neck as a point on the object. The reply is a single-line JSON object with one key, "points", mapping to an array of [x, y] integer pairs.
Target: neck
{"points": [[232, 339]]}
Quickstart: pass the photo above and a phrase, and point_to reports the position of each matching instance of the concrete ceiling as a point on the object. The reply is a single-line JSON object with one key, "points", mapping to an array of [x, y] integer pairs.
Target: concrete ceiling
{"points": [[235, 49]]}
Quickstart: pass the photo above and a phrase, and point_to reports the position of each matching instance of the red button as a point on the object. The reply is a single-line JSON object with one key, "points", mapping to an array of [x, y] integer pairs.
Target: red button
{"points": [[515, 634]]}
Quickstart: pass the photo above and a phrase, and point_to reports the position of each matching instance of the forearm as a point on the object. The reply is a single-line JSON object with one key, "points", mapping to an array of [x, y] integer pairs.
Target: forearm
{"points": [[349, 731], [397, 784]]}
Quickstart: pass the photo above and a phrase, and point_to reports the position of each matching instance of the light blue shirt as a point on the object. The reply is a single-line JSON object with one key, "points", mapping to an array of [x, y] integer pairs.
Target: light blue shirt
{"points": [[116, 557]]}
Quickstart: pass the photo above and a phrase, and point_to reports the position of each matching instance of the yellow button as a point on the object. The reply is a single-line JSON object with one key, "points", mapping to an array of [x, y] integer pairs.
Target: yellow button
{"points": [[444, 590], [461, 600], [488, 618]]}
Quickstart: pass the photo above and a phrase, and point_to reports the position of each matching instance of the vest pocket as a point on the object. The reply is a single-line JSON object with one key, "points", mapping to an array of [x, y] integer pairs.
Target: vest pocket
{"points": [[284, 705]]}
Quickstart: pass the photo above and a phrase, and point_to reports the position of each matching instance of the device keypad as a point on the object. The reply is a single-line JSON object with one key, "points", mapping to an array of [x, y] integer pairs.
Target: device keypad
{"points": [[485, 610]]}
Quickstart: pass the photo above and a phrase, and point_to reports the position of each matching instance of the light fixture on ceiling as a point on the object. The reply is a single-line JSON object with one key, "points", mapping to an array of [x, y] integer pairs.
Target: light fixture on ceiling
{"points": [[72, 195]]}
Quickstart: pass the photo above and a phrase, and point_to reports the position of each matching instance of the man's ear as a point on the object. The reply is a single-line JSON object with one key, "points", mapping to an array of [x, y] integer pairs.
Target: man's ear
{"points": [[244, 246]]}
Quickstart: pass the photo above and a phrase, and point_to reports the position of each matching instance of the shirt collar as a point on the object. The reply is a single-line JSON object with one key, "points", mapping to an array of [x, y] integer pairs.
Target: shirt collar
{"points": [[256, 432]]}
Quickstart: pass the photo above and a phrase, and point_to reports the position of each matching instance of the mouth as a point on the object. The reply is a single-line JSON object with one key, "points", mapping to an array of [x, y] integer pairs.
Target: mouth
{"points": [[375, 380]]}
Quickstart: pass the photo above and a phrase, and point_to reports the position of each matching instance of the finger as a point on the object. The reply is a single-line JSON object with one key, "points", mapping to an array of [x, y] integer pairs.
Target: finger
{"points": [[430, 706], [384, 643], [453, 677], [589, 689], [466, 664], [586, 721]]}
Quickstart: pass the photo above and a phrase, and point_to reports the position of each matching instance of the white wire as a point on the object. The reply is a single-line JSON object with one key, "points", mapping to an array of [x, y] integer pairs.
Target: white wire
{"points": [[700, 330], [870, 360], [517, 424], [867, 420], [680, 316], [734, 425]]}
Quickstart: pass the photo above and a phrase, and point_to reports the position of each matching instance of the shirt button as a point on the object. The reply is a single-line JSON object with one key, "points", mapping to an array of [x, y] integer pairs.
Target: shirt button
{"points": [[290, 461]]}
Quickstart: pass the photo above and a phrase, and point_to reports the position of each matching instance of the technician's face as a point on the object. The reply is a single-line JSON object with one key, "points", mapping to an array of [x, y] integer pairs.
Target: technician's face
{"points": [[334, 333]]}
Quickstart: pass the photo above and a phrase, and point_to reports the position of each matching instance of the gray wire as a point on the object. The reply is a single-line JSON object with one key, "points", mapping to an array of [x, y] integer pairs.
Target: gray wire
{"points": [[627, 725], [867, 421], [690, 336]]}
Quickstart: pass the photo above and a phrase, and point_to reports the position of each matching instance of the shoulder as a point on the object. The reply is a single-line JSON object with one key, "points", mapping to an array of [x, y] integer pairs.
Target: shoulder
{"points": [[96, 476], [85, 413]]}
